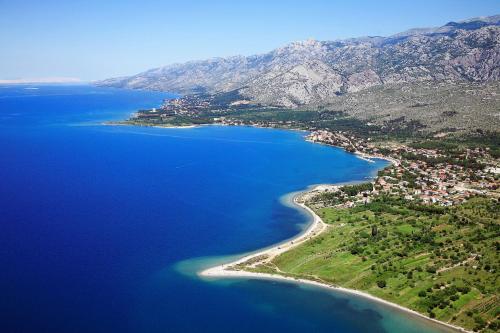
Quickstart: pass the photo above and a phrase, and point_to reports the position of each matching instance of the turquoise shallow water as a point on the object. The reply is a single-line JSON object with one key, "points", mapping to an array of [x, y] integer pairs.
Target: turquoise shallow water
{"points": [[100, 224]]}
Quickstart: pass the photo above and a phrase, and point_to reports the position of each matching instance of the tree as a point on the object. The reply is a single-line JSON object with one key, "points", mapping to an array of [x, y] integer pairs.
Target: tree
{"points": [[381, 283]]}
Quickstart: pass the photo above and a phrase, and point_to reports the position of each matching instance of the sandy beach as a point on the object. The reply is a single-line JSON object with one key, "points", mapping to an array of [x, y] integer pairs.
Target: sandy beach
{"points": [[315, 228]]}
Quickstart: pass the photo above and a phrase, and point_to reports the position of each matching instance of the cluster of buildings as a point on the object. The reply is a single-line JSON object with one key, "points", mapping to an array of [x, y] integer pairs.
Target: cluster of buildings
{"points": [[193, 106], [445, 184], [228, 121], [189, 105], [429, 177], [341, 139]]}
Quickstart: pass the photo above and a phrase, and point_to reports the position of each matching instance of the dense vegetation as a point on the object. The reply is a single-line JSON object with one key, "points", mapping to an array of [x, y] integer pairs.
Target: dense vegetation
{"points": [[439, 261], [454, 146], [433, 161], [400, 129], [300, 119]]}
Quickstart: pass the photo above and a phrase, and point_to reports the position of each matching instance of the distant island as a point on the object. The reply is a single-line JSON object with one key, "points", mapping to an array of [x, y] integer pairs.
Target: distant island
{"points": [[425, 233], [41, 80]]}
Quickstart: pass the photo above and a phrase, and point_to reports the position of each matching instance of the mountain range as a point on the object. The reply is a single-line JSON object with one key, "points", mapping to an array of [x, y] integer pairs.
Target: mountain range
{"points": [[315, 72]]}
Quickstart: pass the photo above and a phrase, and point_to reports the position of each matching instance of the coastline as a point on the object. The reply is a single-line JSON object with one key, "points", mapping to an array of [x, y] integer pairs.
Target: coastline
{"points": [[120, 123], [363, 156], [315, 228]]}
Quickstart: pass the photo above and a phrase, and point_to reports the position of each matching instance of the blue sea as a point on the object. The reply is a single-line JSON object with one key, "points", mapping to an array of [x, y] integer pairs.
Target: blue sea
{"points": [[102, 228]]}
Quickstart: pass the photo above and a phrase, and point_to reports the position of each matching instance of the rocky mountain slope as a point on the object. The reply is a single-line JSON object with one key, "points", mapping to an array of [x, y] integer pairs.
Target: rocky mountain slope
{"points": [[314, 72], [432, 107]]}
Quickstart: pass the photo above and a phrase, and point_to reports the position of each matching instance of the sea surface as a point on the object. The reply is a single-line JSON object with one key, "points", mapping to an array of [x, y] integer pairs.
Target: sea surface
{"points": [[102, 228]]}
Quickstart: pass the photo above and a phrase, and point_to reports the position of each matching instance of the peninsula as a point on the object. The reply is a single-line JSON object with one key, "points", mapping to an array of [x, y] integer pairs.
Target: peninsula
{"points": [[423, 236]]}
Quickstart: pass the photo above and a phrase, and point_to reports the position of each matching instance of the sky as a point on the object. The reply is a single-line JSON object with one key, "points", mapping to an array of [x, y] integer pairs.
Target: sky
{"points": [[96, 39]]}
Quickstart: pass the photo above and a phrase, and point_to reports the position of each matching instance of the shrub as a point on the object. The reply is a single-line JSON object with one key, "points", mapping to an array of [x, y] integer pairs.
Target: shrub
{"points": [[381, 283], [494, 325], [464, 290], [479, 320], [431, 269]]}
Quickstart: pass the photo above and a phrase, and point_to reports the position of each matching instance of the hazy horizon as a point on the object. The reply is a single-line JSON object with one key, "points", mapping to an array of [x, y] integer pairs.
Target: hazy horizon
{"points": [[90, 40]]}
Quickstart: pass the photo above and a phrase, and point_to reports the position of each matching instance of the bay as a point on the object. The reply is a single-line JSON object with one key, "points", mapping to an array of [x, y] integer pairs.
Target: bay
{"points": [[99, 224]]}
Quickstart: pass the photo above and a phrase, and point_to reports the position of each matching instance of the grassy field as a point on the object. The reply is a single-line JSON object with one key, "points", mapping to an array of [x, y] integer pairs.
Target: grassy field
{"points": [[442, 262]]}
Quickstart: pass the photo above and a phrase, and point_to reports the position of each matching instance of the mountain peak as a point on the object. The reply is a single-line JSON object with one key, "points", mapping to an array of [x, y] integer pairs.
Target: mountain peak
{"points": [[302, 45]]}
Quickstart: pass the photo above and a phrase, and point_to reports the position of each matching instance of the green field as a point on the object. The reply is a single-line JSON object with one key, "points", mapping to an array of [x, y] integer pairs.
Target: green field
{"points": [[442, 262]]}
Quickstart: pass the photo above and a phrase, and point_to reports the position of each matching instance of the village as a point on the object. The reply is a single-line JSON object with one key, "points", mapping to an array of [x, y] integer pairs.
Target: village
{"points": [[193, 106], [186, 106], [426, 176]]}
